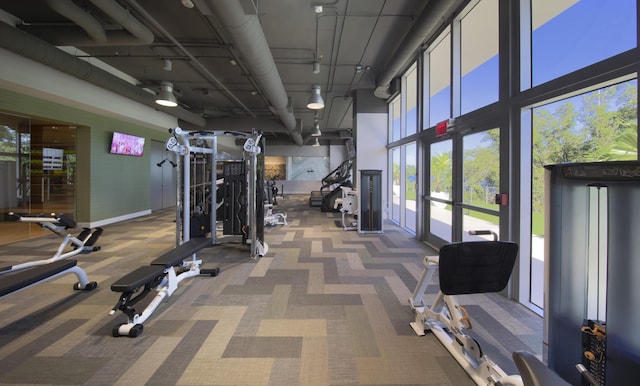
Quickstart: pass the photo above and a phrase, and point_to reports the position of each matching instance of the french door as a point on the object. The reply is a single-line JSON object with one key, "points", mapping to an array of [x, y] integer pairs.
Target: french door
{"points": [[463, 187]]}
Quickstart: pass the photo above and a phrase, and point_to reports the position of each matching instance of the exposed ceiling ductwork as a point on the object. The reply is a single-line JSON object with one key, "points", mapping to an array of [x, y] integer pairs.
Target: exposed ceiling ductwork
{"points": [[433, 16], [247, 36], [130, 31], [238, 63]]}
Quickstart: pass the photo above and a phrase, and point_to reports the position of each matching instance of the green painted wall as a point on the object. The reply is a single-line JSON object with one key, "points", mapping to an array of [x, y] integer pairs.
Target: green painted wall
{"points": [[107, 185]]}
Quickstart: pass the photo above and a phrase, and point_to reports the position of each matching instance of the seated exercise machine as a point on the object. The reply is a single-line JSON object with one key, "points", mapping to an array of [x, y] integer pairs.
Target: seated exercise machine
{"points": [[272, 218], [24, 275], [348, 205], [464, 268]]}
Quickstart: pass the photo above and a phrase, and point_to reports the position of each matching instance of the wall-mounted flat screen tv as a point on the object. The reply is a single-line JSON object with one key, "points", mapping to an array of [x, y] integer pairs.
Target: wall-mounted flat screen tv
{"points": [[127, 144]]}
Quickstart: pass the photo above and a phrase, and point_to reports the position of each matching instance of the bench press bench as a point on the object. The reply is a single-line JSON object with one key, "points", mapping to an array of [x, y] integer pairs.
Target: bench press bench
{"points": [[163, 274], [22, 279], [58, 224]]}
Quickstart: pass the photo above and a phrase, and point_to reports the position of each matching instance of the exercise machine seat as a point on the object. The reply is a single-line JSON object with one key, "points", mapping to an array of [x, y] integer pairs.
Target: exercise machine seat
{"points": [[534, 372], [471, 267], [178, 254]]}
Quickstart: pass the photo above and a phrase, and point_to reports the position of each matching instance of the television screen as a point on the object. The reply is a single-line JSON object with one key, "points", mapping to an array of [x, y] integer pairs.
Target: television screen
{"points": [[127, 144]]}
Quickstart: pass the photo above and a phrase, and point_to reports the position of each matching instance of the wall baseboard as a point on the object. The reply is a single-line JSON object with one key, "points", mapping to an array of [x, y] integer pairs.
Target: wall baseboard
{"points": [[113, 220]]}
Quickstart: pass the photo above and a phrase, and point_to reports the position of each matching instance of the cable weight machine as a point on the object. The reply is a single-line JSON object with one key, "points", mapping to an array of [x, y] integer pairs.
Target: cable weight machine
{"points": [[199, 205]]}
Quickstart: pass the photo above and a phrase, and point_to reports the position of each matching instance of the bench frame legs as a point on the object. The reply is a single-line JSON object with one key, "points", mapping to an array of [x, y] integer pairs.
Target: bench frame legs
{"points": [[169, 284], [447, 320]]}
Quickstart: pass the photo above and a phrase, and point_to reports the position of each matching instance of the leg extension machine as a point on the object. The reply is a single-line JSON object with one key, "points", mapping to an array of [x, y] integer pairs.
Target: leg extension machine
{"points": [[464, 268]]}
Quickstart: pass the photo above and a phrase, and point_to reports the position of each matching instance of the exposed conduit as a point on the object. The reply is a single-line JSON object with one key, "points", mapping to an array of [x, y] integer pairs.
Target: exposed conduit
{"points": [[430, 20], [71, 11], [35, 49], [134, 32], [247, 36]]}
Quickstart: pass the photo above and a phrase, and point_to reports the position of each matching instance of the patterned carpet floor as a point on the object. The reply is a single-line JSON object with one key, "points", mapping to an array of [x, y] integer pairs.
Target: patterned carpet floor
{"points": [[323, 307]]}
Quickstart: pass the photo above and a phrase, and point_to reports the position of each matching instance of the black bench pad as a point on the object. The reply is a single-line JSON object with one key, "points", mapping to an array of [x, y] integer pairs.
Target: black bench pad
{"points": [[178, 254], [471, 267], [137, 278], [11, 282]]}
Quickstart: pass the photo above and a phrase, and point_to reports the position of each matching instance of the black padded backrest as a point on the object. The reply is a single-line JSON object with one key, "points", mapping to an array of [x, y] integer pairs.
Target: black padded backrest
{"points": [[534, 372], [471, 267], [13, 281]]}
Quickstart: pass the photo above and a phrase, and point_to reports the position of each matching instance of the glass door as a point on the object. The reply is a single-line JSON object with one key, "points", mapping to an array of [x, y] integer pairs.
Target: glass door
{"points": [[438, 205], [480, 182], [464, 184]]}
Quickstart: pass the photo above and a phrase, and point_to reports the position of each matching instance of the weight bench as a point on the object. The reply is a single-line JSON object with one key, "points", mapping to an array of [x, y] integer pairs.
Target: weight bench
{"points": [[164, 274], [468, 267], [58, 224], [25, 278]]}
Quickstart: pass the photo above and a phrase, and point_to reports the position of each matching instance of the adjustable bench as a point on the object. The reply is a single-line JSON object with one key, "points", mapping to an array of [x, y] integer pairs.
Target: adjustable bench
{"points": [[25, 278], [163, 274], [58, 224]]}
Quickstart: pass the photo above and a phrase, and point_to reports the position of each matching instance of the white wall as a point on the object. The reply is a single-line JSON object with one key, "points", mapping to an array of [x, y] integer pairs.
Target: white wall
{"points": [[305, 187], [371, 141]]}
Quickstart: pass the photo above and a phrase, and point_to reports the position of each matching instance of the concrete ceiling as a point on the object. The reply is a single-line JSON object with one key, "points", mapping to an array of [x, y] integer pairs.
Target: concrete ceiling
{"points": [[238, 64]]}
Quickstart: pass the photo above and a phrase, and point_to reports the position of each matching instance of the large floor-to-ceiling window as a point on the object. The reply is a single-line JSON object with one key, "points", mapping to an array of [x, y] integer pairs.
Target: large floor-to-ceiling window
{"points": [[403, 126], [589, 112], [561, 89]]}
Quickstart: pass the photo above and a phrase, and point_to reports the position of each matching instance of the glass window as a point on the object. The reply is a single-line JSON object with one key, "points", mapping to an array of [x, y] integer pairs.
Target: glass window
{"points": [[474, 220], [395, 185], [569, 35], [411, 96], [410, 178], [439, 81], [394, 120], [441, 172], [481, 168], [479, 56], [600, 125]]}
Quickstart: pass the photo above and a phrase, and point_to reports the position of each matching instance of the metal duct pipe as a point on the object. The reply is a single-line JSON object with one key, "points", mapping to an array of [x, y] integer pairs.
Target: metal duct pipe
{"points": [[71, 11], [247, 35], [33, 48], [246, 124], [433, 15], [126, 20], [136, 33]]}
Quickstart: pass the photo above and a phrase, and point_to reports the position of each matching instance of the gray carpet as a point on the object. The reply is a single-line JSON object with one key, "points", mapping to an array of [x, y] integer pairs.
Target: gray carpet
{"points": [[322, 307]]}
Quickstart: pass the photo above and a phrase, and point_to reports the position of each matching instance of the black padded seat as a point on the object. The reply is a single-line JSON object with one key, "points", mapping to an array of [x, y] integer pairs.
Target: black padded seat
{"points": [[65, 221], [147, 274], [178, 254], [534, 372], [11, 282], [471, 267]]}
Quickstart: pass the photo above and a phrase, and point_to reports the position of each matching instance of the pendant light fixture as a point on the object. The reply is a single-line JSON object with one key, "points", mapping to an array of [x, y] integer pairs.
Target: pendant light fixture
{"points": [[315, 101], [165, 97]]}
